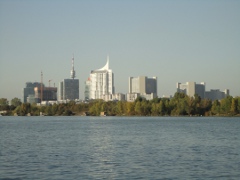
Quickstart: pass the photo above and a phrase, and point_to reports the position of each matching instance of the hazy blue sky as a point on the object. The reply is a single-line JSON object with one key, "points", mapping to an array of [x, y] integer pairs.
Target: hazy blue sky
{"points": [[177, 41]]}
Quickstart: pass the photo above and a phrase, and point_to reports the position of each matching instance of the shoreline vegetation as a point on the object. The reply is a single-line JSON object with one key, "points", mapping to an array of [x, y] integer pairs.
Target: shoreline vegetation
{"points": [[179, 105]]}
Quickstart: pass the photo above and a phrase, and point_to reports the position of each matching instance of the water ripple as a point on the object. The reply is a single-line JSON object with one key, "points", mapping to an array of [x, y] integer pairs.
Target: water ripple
{"points": [[119, 148]]}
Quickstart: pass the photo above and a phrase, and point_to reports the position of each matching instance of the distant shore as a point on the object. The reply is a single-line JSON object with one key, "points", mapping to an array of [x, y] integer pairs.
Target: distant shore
{"points": [[179, 105]]}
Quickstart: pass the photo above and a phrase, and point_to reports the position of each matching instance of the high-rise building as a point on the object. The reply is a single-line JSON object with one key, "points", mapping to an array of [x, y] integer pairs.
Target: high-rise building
{"points": [[100, 83], [191, 88], [28, 91], [87, 89], [69, 88], [142, 86], [45, 94]]}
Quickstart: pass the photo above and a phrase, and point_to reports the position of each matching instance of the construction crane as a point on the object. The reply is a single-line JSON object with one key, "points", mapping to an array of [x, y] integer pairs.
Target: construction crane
{"points": [[49, 82], [41, 86]]}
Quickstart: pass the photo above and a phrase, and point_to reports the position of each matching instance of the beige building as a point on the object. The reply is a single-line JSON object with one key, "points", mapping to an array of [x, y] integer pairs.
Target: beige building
{"points": [[113, 97], [142, 86], [191, 88]]}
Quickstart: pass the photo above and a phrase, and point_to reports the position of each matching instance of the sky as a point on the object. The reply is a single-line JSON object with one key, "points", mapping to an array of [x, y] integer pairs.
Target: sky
{"points": [[177, 41]]}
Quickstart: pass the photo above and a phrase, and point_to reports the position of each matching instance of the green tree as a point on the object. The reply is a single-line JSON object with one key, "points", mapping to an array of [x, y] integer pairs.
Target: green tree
{"points": [[234, 106], [43, 110], [215, 107], [182, 107], [154, 109], [146, 108], [93, 110], [71, 105], [138, 108], [120, 109], [17, 110], [197, 105], [4, 104], [179, 104], [67, 112], [140, 99], [34, 110], [238, 107], [16, 102], [80, 108], [96, 107], [190, 108], [48, 110], [155, 100], [103, 107], [206, 105], [25, 109], [179, 95], [112, 109], [3, 101], [130, 108], [225, 105], [161, 108], [167, 106]]}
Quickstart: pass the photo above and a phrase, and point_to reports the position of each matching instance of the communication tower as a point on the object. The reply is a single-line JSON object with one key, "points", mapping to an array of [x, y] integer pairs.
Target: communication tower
{"points": [[72, 73]]}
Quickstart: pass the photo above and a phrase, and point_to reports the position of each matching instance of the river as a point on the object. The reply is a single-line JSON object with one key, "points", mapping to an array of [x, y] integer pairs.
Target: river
{"points": [[119, 148]]}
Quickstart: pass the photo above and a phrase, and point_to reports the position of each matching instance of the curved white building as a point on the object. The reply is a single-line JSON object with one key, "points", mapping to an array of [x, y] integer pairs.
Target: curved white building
{"points": [[100, 83]]}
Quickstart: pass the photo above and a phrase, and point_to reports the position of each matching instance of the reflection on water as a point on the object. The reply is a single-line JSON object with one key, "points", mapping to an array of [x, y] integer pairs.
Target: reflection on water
{"points": [[119, 148]]}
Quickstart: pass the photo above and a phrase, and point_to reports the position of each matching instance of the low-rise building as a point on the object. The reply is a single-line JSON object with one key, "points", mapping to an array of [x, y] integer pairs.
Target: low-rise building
{"points": [[216, 94], [113, 97]]}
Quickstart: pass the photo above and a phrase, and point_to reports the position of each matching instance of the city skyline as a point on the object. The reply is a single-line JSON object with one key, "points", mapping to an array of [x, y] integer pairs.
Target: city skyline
{"points": [[174, 41]]}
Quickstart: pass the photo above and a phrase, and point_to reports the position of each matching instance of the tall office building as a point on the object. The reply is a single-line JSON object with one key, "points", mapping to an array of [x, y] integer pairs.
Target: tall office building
{"points": [[28, 91], [69, 88], [87, 89], [100, 83], [142, 86], [191, 88]]}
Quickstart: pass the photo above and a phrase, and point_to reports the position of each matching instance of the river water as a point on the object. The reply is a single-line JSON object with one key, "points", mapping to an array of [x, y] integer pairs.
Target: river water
{"points": [[119, 148]]}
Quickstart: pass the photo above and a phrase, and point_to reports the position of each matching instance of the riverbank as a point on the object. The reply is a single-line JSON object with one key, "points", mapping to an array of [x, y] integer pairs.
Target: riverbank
{"points": [[179, 105]]}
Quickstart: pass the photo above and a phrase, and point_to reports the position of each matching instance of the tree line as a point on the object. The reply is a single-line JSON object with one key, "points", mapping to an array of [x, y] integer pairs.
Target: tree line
{"points": [[179, 105]]}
